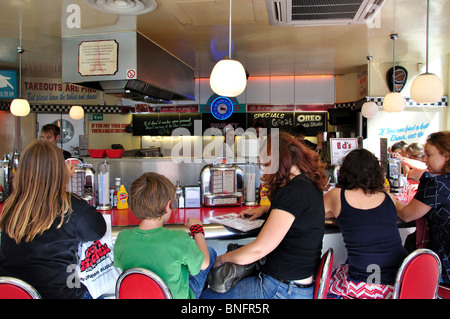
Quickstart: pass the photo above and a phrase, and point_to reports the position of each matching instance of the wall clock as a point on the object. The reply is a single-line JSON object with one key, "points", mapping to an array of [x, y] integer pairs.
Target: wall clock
{"points": [[221, 108]]}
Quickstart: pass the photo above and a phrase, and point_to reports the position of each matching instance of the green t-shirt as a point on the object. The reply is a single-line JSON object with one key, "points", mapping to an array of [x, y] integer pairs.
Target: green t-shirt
{"points": [[171, 254]]}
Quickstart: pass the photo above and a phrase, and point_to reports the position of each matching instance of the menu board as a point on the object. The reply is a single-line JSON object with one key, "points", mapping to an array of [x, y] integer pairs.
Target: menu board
{"points": [[313, 122], [281, 120], [163, 124]]}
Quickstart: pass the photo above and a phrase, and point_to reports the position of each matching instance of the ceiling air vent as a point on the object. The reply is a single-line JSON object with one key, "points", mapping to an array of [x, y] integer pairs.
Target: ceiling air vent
{"points": [[322, 12], [129, 7]]}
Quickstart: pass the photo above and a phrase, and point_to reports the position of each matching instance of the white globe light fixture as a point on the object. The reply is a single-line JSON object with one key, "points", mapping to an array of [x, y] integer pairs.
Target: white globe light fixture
{"points": [[228, 77], [76, 112], [427, 87], [369, 109], [20, 107], [394, 101]]}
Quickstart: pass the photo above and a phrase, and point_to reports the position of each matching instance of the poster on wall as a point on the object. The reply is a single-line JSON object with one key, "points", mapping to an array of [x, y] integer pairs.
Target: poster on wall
{"points": [[407, 126], [340, 147], [8, 84]]}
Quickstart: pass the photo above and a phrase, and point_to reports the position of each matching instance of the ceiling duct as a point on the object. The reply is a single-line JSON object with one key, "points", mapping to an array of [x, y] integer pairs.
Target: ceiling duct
{"points": [[127, 65], [130, 7], [322, 12]]}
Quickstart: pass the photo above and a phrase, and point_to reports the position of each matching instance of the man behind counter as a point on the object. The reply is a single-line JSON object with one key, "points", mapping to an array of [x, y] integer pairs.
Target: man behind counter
{"points": [[52, 133]]}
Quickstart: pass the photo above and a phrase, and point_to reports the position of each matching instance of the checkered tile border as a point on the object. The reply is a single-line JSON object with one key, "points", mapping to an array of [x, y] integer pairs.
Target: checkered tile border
{"points": [[379, 101], [111, 109]]}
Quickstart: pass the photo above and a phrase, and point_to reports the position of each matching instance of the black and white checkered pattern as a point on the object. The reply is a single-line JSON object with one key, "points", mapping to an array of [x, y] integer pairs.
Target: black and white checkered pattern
{"points": [[379, 101], [109, 109]]}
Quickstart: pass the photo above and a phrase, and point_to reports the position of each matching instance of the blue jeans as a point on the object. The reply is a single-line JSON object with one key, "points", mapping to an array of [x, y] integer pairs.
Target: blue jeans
{"points": [[262, 286], [197, 282]]}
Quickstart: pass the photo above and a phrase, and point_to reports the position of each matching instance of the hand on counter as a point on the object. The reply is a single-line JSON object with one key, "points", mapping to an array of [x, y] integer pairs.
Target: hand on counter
{"points": [[254, 213]]}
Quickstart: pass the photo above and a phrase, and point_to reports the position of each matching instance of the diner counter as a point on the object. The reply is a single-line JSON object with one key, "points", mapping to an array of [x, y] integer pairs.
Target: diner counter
{"points": [[124, 218]]}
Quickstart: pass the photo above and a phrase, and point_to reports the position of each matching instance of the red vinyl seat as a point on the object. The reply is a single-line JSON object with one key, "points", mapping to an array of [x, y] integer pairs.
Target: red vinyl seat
{"points": [[140, 283], [323, 275], [13, 288], [418, 276], [444, 291]]}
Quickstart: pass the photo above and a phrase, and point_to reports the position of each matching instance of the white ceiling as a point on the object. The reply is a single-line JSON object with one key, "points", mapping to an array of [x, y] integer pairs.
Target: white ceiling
{"points": [[187, 28]]}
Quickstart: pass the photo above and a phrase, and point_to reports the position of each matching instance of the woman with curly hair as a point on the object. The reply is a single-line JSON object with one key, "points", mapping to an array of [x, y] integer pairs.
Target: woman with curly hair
{"points": [[291, 237], [432, 201], [368, 221]]}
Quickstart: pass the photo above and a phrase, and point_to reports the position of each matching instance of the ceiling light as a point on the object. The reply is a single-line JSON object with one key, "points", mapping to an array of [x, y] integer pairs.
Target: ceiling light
{"points": [[130, 7], [369, 109], [427, 87], [394, 101], [228, 77], [20, 107], [76, 112]]}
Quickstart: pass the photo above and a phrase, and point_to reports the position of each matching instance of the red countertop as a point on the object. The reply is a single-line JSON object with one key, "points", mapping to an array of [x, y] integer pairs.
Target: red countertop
{"points": [[125, 217]]}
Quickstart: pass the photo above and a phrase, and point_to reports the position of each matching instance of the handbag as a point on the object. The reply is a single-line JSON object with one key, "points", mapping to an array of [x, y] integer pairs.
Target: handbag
{"points": [[223, 278], [96, 268]]}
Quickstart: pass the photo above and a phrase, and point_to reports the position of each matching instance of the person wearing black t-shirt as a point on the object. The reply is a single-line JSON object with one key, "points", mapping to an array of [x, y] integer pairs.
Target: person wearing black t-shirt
{"points": [[42, 225], [291, 237]]}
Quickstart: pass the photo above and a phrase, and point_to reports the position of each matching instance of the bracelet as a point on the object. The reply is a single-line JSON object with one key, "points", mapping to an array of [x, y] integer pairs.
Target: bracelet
{"points": [[196, 229]]}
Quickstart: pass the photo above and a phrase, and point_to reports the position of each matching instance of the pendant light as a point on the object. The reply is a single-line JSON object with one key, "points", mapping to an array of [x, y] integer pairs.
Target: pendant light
{"points": [[369, 109], [19, 106], [228, 77], [394, 101], [427, 87], [76, 112]]}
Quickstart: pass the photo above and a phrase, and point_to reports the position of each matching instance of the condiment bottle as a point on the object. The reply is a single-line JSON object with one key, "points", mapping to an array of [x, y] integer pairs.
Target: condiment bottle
{"points": [[122, 198]]}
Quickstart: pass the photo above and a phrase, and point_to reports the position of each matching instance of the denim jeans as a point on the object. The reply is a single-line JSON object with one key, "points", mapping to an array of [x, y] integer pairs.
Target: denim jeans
{"points": [[197, 282], [262, 286]]}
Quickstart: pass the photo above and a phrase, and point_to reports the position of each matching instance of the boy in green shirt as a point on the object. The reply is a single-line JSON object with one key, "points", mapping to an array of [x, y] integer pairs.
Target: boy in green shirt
{"points": [[181, 262]]}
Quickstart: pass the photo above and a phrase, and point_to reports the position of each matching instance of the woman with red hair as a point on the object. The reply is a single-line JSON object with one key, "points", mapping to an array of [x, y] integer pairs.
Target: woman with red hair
{"points": [[291, 237]]}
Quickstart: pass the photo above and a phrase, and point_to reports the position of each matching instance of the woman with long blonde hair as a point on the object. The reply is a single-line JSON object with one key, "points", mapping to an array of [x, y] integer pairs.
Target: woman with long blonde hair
{"points": [[42, 224]]}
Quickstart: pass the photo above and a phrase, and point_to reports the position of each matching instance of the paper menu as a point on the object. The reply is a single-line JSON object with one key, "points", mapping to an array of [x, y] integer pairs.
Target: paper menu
{"points": [[233, 220]]}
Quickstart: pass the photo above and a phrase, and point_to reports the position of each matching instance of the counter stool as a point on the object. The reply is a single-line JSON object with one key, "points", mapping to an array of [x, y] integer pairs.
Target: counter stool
{"points": [[140, 283], [418, 276], [444, 291], [323, 275], [14, 288]]}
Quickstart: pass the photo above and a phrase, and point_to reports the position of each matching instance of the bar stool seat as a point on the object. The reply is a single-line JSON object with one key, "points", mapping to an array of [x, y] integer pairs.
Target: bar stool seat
{"points": [[323, 275], [418, 276], [14, 288], [140, 283], [444, 291]]}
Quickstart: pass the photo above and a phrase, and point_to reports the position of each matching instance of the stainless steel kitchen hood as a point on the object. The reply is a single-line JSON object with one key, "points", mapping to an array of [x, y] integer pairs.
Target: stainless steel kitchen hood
{"points": [[127, 65]]}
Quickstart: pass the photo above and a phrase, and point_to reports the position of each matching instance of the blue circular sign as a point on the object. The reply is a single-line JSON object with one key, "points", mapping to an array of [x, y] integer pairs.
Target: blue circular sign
{"points": [[222, 108]]}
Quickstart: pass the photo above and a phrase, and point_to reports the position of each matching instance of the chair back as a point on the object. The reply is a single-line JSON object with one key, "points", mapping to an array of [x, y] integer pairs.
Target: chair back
{"points": [[323, 275], [140, 283], [14, 288], [418, 276]]}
